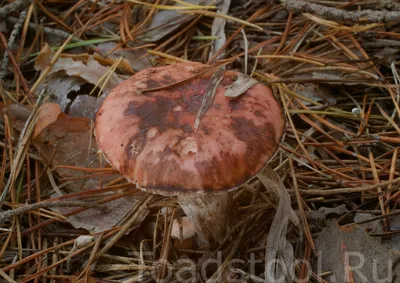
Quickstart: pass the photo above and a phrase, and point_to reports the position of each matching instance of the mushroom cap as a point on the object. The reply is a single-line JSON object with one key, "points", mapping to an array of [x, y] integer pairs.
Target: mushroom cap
{"points": [[149, 136]]}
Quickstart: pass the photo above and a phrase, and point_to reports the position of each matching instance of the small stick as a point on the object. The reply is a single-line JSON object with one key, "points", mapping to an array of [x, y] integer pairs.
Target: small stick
{"points": [[13, 7], [14, 33], [331, 13], [49, 31], [23, 209]]}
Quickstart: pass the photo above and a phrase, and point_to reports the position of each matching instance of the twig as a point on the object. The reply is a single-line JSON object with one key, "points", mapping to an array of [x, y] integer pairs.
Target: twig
{"points": [[13, 7], [3, 41], [390, 5], [49, 31], [14, 33], [330, 13], [349, 190], [379, 43]]}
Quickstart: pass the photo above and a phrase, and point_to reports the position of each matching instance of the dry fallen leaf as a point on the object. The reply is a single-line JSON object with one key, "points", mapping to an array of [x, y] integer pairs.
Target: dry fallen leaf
{"points": [[278, 248], [316, 93], [371, 227], [218, 27], [240, 86], [83, 66], [165, 22], [60, 87], [64, 140], [85, 106], [48, 114], [91, 72], [61, 140], [95, 220], [182, 229], [67, 141], [393, 242], [363, 255], [44, 57], [72, 75], [133, 60]]}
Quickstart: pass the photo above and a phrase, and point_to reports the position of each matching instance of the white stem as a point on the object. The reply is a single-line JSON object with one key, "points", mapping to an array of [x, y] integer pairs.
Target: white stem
{"points": [[209, 214]]}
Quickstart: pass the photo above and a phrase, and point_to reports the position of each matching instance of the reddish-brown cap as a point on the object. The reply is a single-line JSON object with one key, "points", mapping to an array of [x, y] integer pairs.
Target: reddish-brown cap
{"points": [[149, 136]]}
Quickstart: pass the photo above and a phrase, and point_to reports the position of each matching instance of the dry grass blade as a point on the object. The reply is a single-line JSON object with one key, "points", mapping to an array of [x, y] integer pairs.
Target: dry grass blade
{"points": [[350, 189], [22, 149], [208, 98], [6, 277]]}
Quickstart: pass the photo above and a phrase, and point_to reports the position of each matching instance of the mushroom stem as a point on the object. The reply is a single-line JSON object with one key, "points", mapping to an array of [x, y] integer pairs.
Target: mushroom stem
{"points": [[209, 214]]}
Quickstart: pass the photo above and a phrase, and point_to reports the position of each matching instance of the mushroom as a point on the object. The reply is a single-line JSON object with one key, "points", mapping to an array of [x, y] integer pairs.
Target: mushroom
{"points": [[182, 229], [145, 128]]}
